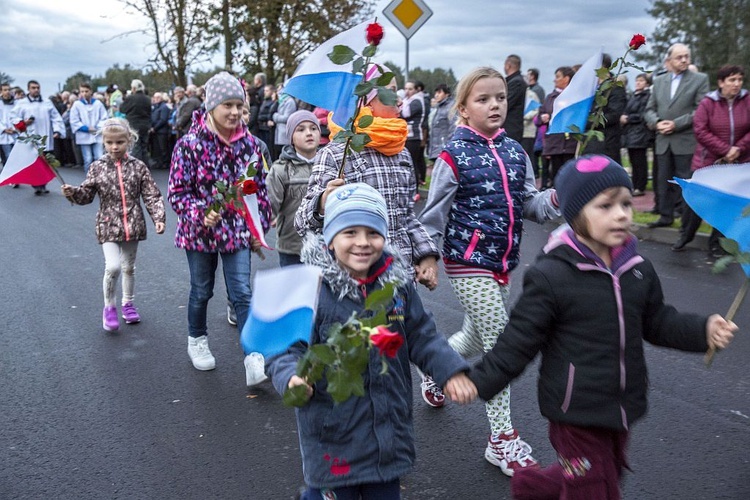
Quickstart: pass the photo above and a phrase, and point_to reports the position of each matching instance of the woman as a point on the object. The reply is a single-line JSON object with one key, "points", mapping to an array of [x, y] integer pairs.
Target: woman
{"points": [[637, 137], [722, 129], [217, 148], [443, 122]]}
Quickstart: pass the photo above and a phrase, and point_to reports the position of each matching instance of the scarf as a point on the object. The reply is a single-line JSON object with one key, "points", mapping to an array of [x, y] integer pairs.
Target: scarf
{"points": [[387, 135]]}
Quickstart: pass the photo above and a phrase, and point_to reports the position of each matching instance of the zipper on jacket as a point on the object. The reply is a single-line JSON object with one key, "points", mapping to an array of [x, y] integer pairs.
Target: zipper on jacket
{"points": [[363, 288], [731, 124], [509, 200], [124, 202], [478, 235]]}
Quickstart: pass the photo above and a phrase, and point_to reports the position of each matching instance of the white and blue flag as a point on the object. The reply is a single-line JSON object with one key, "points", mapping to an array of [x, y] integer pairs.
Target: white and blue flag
{"points": [[282, 309], [573, 105]]}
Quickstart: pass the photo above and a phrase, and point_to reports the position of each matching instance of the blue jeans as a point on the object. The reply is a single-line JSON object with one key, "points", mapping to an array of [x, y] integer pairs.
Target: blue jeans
{"points": [[288, 259], [202, 267], [369, 491], [90, 152]]}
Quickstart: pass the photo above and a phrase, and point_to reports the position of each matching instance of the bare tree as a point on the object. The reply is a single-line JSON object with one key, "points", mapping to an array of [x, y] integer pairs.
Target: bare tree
{"points": [[179, 32]]}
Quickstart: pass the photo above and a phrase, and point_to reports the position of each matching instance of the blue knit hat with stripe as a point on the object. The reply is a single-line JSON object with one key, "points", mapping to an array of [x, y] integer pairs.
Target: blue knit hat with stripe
{"points": [[356, 204]]}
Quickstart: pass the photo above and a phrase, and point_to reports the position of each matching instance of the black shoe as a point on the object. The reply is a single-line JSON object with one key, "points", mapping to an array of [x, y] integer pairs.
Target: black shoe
{"points": [[680, 245], [38, 192], [661, 222], [655, 211], [716, 252], [16, 186]]}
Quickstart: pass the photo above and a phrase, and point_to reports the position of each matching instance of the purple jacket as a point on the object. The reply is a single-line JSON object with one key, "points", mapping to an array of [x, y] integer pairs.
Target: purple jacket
{"points": [[200, 160], [719, 125]]}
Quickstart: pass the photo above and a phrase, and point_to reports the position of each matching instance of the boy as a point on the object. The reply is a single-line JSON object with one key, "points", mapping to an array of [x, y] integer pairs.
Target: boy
{"points": [[287, 181], [365, 444]]}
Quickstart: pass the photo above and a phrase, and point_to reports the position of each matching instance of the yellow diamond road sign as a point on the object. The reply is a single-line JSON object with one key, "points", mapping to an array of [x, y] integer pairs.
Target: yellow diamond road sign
{"points": [[407, 15]]}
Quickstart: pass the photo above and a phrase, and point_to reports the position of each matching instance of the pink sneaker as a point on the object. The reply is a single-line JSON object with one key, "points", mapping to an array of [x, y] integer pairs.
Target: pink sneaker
{"points": [[109, 319], [431, 393], [509, 452], [130, 313]]}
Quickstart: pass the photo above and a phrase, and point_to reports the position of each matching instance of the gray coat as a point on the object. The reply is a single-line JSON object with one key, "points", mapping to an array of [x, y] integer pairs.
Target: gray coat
{"points": [[442, 127], [680, 109], [287, 186], [368, 439], [282, 114]]}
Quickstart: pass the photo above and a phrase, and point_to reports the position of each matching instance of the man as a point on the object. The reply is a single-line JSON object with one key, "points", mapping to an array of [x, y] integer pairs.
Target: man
{"points": [[159, 131], [41, 118], [516, 97], [86, 118], [137, 109], [532, 78], [185, 111], [412, 110], [7, 120], [612, 131], [674, 98]]}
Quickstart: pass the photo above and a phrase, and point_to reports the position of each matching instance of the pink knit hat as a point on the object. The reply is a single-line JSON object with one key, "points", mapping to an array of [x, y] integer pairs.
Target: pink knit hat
{"points": [[373, 73]]}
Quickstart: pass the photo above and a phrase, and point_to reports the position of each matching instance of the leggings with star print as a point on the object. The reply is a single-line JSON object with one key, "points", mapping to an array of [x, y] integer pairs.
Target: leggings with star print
{"points": [[485, 315]]}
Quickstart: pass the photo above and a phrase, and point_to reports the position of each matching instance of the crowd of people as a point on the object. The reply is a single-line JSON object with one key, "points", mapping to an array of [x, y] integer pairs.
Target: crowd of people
{"points": [[356, 219]]}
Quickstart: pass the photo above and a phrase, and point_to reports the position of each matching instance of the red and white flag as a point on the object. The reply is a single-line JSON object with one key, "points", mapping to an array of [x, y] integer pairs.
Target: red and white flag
{"points": [[25, 166], [252, 217]]}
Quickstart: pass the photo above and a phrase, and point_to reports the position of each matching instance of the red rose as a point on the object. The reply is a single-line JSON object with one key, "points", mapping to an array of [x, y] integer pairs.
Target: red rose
{"points": [[637, 41], [249, 187], [374, 34], [387, 342], [20, 126]]}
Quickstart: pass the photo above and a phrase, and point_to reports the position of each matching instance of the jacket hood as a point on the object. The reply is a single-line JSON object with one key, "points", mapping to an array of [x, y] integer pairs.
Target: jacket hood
{"points": [[467, 134], [315, 252], [288, 153], [715, 95], [564, 236]]}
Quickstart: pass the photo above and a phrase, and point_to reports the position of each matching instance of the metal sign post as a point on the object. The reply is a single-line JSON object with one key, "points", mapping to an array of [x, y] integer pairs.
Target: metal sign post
{"points": [[407, 16]]}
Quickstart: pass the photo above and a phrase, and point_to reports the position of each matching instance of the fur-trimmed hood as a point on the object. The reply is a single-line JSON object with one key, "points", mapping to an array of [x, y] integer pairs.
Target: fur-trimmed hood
{"points": [[315, 252]]}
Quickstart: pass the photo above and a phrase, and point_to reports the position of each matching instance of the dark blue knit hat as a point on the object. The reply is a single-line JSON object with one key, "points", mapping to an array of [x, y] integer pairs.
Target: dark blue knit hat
{"points": [[581, 180]]}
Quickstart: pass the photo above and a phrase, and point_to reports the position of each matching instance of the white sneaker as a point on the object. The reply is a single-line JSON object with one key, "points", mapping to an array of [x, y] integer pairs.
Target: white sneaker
{"points": [[200, 354], [255, 366]]}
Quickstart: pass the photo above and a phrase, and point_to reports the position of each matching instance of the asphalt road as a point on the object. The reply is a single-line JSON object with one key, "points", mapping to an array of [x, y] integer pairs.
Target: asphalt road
{"points": [[94, 415]]}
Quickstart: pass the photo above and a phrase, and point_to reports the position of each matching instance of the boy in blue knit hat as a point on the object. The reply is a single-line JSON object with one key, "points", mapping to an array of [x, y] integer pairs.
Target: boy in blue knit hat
{"points": [[588, 303], [360, 448]]}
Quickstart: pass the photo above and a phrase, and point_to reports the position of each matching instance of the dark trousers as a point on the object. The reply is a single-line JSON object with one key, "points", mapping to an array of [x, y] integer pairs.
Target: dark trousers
{"points": [[140, 148], [555, 164], [417, 157], [527, 143], [371, 491], [590, 464], [160, 151], [639, 164], [671, 166]]}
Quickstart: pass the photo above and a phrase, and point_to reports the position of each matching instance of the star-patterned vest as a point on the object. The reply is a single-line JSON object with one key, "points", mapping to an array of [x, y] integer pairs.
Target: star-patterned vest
{"points": [[486, 219]]}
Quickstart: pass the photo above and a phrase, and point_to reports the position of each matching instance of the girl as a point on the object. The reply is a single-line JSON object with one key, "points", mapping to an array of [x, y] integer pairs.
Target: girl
{"points": [[588, 303], [217, 148], [121, 181], [360, 448], [482, 188]]}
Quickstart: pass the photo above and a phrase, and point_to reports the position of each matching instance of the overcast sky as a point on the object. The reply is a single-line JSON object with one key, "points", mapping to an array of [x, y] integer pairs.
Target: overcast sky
{"points": [[49, 40]]}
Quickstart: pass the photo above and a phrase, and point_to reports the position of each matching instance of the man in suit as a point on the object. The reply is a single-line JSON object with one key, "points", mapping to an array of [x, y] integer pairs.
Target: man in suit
{"points": [[674, 98], [516, 97]]}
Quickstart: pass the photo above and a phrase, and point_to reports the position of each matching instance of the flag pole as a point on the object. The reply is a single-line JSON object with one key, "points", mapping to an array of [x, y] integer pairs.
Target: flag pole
{"points": [[709, 358]]}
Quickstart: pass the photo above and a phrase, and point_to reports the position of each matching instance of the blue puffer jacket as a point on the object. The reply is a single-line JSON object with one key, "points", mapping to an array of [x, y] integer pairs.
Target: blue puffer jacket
{"points": [[365, 439]]}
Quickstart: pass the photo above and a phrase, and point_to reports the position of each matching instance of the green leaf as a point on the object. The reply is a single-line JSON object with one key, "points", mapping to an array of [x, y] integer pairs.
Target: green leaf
{"points": [[574, 129], [341, 54], [220, 186], [383, 366], [363, 88], [358, 65], [381, 298], [369, 51], [339, 385], [387, 96], [295, 396], [721, 265], [323, 352], [359, 141], [385, 78], [365, 121], [730, 246]]}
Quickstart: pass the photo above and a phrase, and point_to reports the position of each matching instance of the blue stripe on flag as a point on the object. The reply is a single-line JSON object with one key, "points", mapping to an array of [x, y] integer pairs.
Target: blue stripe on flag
{"points": [[333, 91], [274, 337], [531, 106], [575, 114]]}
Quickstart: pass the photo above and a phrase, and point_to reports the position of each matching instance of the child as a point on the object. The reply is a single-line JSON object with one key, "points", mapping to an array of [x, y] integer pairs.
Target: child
{"points": [[287, 182], [365, 444], [384, 164], [482, 188], [588, 303], [121, 181]]}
